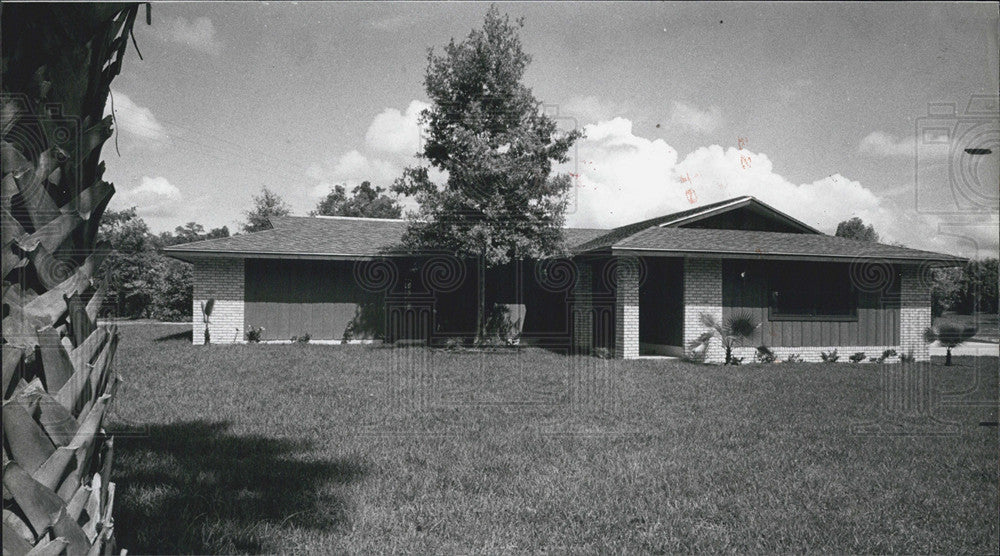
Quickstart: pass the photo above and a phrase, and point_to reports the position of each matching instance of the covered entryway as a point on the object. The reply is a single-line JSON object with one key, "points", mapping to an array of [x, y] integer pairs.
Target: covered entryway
{"points": [[661, 307]]}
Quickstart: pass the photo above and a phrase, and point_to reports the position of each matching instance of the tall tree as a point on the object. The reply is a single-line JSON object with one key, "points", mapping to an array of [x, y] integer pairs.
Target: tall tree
{"points": [[855, 228], [487, 131], [365, 200], [58, 64], [265, 205]]}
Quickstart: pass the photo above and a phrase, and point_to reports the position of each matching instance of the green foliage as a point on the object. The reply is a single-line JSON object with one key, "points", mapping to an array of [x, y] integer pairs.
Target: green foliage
{"points": [[303, 339], [829, 357], [886, 355], [855, 228], [857, 357], [365, 201], [189, 233], [265, 205], [793, 358]]}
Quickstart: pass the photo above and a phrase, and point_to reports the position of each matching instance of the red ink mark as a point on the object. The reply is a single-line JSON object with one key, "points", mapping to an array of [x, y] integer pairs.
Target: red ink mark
{"points": [[744, 161], [685, 178], [741, 143], [691, 197]]}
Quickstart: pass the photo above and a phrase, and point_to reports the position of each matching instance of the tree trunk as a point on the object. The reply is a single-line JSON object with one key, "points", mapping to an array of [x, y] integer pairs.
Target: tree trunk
{"points": [[58, 63], [947, 358]]}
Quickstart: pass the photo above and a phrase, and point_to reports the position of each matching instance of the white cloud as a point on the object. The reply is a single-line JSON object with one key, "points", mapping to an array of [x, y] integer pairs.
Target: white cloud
{"points": [[694, 118], [353, 168], [198, 34], [588, 109], [397, 132], [882, 144], [623, 178], [134, 119], [153, 197]]}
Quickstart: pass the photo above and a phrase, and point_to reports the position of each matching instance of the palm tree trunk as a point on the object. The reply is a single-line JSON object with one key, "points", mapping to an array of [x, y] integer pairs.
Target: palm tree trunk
{"points": [[58, 375], [947, 358]]}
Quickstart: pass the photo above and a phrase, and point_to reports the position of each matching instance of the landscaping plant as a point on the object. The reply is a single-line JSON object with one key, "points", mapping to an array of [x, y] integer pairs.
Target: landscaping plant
{"points": [[950, 336], [206, 317], [734, 332], [830, 357], [857, 357], [58, 364], [765, 355]]}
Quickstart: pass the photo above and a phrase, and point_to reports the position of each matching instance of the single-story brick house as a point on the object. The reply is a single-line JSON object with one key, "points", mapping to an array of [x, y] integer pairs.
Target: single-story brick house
{"points": [[635, 290]]}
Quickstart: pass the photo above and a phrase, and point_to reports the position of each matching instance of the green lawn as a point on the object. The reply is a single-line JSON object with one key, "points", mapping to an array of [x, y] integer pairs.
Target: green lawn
{"points": [[267, 448]]}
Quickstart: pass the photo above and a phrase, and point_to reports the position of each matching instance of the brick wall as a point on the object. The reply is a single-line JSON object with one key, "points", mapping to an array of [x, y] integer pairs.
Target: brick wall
{"points": [[914, 313], [627, 309], [222, 280], [702, 294], [583, 308]]}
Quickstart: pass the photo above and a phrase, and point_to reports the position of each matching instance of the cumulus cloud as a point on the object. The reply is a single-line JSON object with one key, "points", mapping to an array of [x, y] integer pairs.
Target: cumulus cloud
{"points": [[352, 168], [878, 143], [588, 109], [135, 120], [198, 34], [695, 119], [153, 197], [622, 178], [397, 132]]}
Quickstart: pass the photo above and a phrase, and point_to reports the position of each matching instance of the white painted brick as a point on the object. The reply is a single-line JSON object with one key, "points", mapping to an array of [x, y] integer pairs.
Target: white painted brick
{"points": [[223, 281]]}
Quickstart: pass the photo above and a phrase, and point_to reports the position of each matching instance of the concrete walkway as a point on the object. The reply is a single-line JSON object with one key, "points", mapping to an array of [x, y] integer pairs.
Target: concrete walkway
{"points": [[968, 348]]}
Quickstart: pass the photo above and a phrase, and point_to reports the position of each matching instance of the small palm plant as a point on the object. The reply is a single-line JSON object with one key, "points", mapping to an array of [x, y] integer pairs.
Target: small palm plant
{"points": [[734, 332], [950, 335], [206, 314]]}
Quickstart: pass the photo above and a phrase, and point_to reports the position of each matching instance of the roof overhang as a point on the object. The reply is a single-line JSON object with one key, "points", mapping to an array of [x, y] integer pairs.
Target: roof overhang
{"points": [[764, 255], [192, 256]]}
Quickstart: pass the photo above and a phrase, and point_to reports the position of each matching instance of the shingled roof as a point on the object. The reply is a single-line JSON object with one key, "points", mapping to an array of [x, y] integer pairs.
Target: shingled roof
{"points": [[303, 237], [320, 237]]}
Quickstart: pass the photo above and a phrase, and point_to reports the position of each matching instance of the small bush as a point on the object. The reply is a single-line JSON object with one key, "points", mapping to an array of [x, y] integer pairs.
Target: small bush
{"points": [[857, 357], [254, 334], [453, 344], [736, 360], [793, 358], [829, 357], [303, 339], [886, 355], [907, 357], [764, 355], [603, 353]]}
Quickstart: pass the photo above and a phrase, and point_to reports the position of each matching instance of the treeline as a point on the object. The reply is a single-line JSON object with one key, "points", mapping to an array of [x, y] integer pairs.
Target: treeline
{"points": [[142, 282], [965, 290]]}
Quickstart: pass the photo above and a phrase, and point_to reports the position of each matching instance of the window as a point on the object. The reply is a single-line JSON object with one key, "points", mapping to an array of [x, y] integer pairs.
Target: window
{"points": [[812, 291]]}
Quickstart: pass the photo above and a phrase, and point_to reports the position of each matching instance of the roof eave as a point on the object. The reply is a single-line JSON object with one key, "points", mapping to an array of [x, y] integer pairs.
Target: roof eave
{"points": [[192, 256], [653, 251]]}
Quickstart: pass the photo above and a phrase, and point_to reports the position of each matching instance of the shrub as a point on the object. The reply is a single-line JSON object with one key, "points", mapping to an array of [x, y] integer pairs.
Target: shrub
{"points": [[736, 360], [857, 357], [907, 357], [737, 329], [886, 355], [603, 353], [950, 336], [793, 358], [829, 357], [764, 355], [303, 339], [254, 334]]}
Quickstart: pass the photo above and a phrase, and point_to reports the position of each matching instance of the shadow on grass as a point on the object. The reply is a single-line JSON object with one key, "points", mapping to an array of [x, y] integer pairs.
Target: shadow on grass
{"points": [[195, 487], [185, 335]]}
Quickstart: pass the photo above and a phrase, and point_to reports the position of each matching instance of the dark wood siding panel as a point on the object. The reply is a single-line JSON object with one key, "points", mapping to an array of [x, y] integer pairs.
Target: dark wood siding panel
{"points": [[877, 322], [291, 298]]}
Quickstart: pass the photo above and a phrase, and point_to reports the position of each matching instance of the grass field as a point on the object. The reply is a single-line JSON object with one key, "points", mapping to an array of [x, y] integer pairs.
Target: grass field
{"points": [[316, 448]]}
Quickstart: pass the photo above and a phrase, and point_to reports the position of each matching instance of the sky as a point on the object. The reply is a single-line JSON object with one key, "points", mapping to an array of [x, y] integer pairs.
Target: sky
{"points": [[823, 110]]}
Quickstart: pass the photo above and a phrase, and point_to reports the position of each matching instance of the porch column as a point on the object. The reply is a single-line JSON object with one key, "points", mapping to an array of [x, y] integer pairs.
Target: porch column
{"points": [[626, 308], [583, 309], [702, 295], [914, 313], [223, 281]]}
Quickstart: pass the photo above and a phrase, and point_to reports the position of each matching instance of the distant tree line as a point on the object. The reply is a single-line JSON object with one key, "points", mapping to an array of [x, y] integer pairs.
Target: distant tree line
{"points": [[967, 289]]}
